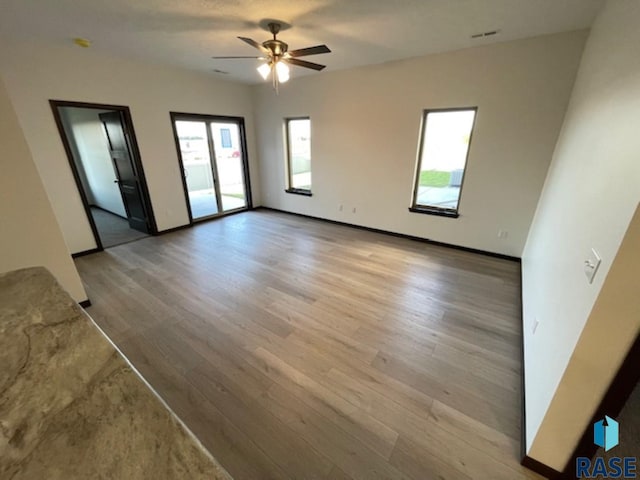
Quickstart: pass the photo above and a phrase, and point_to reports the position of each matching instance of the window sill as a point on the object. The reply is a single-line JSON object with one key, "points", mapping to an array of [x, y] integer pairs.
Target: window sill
{"points": [[298, 191], [435, 211]]}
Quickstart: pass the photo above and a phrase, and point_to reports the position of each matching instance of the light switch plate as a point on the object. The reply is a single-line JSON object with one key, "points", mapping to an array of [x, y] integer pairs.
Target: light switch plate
{"points": [[591, 265]]}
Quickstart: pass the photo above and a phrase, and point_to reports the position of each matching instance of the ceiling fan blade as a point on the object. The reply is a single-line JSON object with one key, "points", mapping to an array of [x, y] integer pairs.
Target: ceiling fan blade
{"points": [[302, 52], [304, 63], [254, 44], [221, 58]]}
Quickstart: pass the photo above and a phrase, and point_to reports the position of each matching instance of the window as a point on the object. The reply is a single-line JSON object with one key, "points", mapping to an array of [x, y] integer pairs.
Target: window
{"points": [[225, 138], [298, 133], [444, 148]]}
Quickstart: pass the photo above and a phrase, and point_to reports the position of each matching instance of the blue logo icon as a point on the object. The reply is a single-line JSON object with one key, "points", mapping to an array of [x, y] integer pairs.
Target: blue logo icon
{"points": [[605, 433]]}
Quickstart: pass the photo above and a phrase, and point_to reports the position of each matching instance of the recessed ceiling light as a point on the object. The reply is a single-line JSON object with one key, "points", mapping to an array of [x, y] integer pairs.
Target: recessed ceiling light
{"points": [[485, 34], [82, 42]]}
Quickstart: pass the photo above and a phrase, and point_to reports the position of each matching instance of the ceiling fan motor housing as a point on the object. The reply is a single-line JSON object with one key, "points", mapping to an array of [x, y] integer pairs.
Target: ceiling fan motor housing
{"points": [[277, 47]]}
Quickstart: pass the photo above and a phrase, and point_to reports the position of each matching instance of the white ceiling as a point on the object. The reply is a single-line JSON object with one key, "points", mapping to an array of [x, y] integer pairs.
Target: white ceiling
{"points": [[186, 33]]}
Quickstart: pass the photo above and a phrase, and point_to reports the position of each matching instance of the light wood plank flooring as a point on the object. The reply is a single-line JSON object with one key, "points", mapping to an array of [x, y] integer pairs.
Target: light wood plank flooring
{"points": [[294, 348]]}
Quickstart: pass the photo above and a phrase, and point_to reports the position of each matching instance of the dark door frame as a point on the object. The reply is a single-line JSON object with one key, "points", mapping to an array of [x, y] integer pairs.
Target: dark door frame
{"points": [[137, 161], [245, 158]]}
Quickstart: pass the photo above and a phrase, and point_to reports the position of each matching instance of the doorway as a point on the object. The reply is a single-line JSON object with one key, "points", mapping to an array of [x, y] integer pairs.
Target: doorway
{"points": [[103, 155], [213, 162]]}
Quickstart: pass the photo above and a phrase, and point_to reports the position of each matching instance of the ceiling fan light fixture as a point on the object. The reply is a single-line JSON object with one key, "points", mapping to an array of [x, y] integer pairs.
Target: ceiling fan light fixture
{"points": [[264, 70], [282, 70], [277, 57]]}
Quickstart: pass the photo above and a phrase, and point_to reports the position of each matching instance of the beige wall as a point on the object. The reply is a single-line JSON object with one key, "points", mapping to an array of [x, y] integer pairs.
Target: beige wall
{"points": [[365, 126], [37, 72], [609, 333], [590, 195], [29, 233]]}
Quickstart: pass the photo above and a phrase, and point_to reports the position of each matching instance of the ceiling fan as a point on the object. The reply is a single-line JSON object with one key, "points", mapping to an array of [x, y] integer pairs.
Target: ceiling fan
{"points": [[276, 56]]}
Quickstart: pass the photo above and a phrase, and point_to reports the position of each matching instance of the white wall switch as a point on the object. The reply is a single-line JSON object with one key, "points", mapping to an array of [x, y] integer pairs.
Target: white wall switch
{"points": [[591, 265]]}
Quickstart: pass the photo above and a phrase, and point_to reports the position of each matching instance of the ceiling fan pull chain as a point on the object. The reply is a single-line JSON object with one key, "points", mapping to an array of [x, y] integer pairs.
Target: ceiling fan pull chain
{"points": [[274, 76]]}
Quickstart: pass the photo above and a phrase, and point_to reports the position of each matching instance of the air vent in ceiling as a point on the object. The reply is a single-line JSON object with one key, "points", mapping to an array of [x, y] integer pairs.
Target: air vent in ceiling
{"points": [[485, 34]]}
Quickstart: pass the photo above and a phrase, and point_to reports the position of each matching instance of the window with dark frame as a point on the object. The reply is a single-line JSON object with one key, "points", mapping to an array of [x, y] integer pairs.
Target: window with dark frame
{"points": [[445, 140], [298, 144]]}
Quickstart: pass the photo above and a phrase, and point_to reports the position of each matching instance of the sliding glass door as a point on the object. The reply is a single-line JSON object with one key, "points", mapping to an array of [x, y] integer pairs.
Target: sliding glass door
{"points": [[228, 152], [197, 168], [213, 162]]}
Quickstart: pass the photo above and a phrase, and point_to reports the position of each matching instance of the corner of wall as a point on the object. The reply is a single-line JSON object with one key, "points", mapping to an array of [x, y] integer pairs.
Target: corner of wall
{"points": [[604, 342], [588, 201], [31, 234]]}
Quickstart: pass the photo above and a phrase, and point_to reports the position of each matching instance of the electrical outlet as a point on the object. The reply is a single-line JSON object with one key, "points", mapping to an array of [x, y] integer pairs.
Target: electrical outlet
{"points": [[503, 234], [340, 208], [354, 210]]}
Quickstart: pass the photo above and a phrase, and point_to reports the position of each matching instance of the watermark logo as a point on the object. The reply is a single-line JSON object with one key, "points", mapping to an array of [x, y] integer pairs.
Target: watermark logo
{"points": [[606, 436], [605, 433]]}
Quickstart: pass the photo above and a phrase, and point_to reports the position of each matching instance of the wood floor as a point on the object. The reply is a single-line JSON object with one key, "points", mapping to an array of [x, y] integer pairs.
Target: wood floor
{"points": [[295, 348]]}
